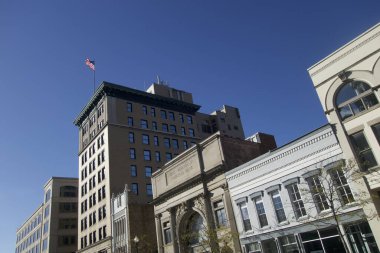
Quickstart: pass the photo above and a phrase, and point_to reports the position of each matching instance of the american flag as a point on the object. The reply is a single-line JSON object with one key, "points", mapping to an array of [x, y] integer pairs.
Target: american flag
{"points": [[90, 64]]}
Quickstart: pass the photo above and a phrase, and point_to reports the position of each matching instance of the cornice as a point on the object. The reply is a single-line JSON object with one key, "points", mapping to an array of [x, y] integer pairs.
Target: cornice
{"points": [[340, 57], [285, 154]]}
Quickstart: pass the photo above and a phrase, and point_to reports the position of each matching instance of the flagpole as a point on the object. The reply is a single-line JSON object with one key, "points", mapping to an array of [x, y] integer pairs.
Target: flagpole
{"points": [[94, 77]]}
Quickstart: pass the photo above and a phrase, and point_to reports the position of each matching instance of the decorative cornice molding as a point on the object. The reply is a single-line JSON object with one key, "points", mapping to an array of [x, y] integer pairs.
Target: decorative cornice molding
{"points": [[345, 54], [286, 153]]}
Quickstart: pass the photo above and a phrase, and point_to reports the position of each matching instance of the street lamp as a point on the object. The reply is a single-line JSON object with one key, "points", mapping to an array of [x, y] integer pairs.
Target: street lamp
{"points": [[136, 240]]}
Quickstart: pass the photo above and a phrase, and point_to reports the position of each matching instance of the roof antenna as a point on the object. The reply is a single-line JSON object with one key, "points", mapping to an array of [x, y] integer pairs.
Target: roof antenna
{"points": [[158, 79]]}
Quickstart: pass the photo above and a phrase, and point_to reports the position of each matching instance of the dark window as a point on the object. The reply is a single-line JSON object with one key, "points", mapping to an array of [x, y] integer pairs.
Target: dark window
{"points": [[148, 171], [245, 216], [363, 150], [144, 110], [129, 107], [132, 153], [69, 207], [154, 125], [173, 129], [133, 171], [158, 156], [295, 198], [144, 124], [145, 139], [376, 131], [171, 116], [149, 190], [189, 119], [185, 145], [153, 111], [156, 141], [131, 137], [277, 204], [181, 118], [130, 121], [220, 214], [261, 211], [68, 191], [168, 156], [147, 155], [191, 132], [135, 188], [167, 142], [165, 127], [163, 114], [354, 97], [175, 143], [183, 131], [167, 233]]}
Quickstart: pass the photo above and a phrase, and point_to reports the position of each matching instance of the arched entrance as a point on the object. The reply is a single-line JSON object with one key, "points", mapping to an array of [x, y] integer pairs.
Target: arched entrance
{"points": [[193, 233]]}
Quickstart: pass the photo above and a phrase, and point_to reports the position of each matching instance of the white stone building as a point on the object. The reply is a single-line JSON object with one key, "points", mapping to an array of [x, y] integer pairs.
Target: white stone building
{"points": [[280, 205]]}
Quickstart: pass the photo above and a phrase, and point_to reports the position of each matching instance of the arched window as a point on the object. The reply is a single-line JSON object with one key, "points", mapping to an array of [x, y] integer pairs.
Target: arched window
{"points": [[354, 97], [195, 229], [68, 191]]}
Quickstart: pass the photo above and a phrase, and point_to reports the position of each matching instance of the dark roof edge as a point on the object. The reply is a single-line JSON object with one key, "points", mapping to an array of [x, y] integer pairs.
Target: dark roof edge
{"points": [[106, 87]]}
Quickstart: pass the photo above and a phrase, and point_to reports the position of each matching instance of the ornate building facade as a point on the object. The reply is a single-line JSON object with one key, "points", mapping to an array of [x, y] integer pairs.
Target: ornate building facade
{"points": [[191, 199]]}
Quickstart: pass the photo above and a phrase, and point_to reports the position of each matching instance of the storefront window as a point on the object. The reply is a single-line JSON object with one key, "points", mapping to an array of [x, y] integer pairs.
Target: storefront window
{"points": [[288, 244]]}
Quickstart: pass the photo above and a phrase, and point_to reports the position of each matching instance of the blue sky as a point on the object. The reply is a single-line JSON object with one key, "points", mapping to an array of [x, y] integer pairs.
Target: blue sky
{"points": [[252, 54]]}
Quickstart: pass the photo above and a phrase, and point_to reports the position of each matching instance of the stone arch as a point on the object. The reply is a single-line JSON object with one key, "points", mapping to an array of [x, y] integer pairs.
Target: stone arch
{"points": [[184, 225], [359, 75]]}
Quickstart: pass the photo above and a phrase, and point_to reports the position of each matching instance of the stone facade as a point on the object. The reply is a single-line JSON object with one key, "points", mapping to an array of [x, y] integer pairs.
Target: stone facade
{"points": [[285, 201], [191, 199], [347, 83]]}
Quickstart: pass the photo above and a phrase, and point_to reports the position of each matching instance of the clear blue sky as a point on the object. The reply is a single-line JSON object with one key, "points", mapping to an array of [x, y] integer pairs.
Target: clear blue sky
{"points": [[252, 54]]}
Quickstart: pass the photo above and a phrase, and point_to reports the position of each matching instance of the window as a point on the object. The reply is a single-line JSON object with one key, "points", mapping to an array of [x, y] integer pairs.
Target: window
{"points": [[145, 139], [181, 118], [132, 153], [185, 145], [148, 171], [191, 132], [147, 155], [130, 121], [133, 169], [341, 185], [135, 188], [288, 243], [46, 227], [158, 156], [149, 190], [103, 192], [261, 211], [354, 97], [168, 156], [295, 198], [154, 126], [167, 142], [189, 119], [47, 210], [183, 131], [363, 150], [129, 107], [167, 233], [70, 207], [47, 195], [68, 191], [318, 193], [153, 111], [175, 143], [277, 204], [165, 127], [376, 131], [253, 247], [131, 137], [245, 216], [173, 129], [101, 158], [163, 114], [101, 175], [144, 124], [156, 141], [44, 244], [220, 214], [144, 110]]}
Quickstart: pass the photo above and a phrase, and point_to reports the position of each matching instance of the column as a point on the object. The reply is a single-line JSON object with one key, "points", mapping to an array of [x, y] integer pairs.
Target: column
{"points": [[173, 226], [159, 233]]}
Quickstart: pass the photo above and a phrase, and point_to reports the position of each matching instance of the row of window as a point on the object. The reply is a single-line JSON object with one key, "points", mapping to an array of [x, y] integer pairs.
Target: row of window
{"points": [[163, 113], [33, 224], [92, 199], [316, 189], [91, 150], [135, 189], [148, 157], [102, 233], [92, 181], [29, 241], [164, 127], [99, 112], [92, 218]]}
